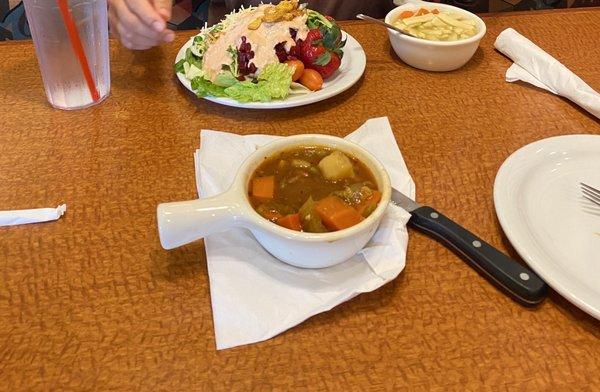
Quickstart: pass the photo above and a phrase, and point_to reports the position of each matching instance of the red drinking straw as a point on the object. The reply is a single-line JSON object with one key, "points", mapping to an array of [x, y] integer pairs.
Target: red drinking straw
{"points": [[77, 47]]}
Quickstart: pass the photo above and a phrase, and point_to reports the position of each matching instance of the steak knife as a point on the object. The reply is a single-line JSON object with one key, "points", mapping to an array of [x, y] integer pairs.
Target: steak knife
{"points": [[515, 279]]}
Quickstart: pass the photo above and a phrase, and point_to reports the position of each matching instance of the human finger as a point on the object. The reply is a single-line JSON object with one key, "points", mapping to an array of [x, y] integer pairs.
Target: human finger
{"points": [[145, 11], [131, 25], [164, 8]]}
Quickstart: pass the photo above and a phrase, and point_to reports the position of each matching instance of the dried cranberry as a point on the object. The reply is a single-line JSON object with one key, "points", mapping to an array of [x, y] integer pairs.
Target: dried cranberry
{"points": [[281, 52], [245, 54], [293, 53]]}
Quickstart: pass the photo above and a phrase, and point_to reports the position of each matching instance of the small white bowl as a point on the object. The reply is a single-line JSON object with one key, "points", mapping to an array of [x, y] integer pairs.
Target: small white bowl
{"points": [[180, 223], [428, 55]]}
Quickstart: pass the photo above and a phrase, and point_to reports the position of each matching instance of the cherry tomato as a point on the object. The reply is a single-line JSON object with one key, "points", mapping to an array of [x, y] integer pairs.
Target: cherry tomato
{"points": [[311, 79], [298, 68]]}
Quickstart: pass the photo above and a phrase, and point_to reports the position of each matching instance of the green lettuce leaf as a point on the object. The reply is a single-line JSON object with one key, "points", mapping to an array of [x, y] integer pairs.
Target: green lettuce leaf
{"points": [[273, 83], [315, 20], [179, 66], [203, 87], [191, 58], [225, 79]]}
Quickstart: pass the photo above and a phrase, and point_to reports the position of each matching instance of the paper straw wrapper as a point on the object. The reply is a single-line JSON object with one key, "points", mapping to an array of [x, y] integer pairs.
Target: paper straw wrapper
{"points": [[20, 217]]}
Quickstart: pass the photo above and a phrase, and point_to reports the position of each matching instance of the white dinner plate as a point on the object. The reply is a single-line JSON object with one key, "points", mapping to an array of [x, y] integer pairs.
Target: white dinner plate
{"points": [[544, 215], [351, 69]]}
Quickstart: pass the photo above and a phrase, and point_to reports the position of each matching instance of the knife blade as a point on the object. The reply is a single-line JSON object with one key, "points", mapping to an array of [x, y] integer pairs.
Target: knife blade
{"points": [[518, 281]]}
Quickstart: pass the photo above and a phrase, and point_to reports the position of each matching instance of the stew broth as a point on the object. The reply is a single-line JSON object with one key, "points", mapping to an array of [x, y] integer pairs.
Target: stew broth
{"points": [[313, 188]]}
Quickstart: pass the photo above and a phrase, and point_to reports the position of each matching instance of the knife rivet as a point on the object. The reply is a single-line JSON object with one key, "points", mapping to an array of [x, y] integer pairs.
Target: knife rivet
{"points": [[524, 276], [476, 244], [434, 215]]}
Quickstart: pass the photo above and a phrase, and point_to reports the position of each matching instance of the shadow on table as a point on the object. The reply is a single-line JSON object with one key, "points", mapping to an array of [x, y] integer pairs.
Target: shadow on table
{"points": [[474, 63], [131, 70], [183, 262], [538, 90]]}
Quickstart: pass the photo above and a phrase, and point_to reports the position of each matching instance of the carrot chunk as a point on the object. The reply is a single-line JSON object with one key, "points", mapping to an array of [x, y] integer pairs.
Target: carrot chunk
{"points": [[435, 11], [406, 14], [291, 222], [422, 11], [335, 214], [368, 204], [263, 187]]}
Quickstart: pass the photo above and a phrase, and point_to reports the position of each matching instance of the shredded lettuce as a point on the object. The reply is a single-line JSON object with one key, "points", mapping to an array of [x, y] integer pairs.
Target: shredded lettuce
{"points": [[203, 40]]}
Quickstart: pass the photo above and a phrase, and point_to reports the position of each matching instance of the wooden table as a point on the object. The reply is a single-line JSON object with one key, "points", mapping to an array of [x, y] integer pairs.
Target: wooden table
{"points": [[93, 302]]}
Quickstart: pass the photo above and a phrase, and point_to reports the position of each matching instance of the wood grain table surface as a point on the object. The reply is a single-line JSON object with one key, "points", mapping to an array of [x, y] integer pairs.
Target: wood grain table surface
{"points": [[92, 301]]}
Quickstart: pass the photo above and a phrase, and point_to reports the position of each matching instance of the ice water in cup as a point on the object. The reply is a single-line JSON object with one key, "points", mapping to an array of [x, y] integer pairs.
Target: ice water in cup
{"points": [[62, 72]]}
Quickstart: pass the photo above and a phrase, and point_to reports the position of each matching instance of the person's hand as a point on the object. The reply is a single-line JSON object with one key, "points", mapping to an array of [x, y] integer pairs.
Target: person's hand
{"points": [[140, 24]]}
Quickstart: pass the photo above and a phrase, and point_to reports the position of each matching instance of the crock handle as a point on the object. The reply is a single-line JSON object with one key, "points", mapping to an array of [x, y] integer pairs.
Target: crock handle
{"points": [[182, 222]]}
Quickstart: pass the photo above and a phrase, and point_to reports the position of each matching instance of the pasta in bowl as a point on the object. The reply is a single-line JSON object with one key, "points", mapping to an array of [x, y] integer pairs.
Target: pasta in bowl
{"points": [[445, 37]]}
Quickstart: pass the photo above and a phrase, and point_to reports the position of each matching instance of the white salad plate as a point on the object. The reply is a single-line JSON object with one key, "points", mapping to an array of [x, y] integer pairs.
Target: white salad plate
{"points": [[351, 69], [554, 228]]}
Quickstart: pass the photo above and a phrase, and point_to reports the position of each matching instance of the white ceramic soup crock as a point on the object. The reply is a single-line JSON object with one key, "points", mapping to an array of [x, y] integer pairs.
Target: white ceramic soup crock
{"points": [[180, 223], [429, 55]]}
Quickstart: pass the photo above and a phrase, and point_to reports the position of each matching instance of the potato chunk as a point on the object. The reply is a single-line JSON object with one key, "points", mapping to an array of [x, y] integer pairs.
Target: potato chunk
{"points": [[336, 166]]}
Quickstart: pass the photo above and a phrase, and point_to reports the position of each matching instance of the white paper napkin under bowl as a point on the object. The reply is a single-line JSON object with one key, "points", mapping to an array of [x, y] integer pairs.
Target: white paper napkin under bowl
{"points": [[255, 296]]}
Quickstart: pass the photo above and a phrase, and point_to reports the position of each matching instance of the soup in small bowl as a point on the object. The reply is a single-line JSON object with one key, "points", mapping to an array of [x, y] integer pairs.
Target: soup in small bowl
{"points": [[312, 201], [314, 189]]}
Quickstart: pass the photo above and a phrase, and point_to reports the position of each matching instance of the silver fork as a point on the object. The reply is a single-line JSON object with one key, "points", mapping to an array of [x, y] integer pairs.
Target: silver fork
{"points": [[590, 193]]}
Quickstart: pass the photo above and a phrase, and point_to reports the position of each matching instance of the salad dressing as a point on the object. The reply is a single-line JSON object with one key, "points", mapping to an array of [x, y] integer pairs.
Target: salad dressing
{"points": [[262, 41]]}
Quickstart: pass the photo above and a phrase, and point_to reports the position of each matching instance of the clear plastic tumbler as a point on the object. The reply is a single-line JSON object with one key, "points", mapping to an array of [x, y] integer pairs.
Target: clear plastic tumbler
{"points": [[66, 82]]}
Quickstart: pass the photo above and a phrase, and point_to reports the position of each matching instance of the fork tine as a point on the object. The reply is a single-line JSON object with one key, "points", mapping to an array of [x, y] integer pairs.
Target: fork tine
{"points": [[590, 193], [595, 201], [589, 188]]}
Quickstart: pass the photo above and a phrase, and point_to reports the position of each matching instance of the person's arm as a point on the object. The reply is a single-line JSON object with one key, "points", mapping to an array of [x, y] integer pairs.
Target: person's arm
{"points": [[140, 24]]}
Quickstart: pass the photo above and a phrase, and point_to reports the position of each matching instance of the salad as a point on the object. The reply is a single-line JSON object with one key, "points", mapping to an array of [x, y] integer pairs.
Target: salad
{"points": [[264, 53]]}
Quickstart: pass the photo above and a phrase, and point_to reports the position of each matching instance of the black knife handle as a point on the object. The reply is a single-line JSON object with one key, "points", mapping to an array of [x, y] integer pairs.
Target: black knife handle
{"points": [[520, 282]]}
